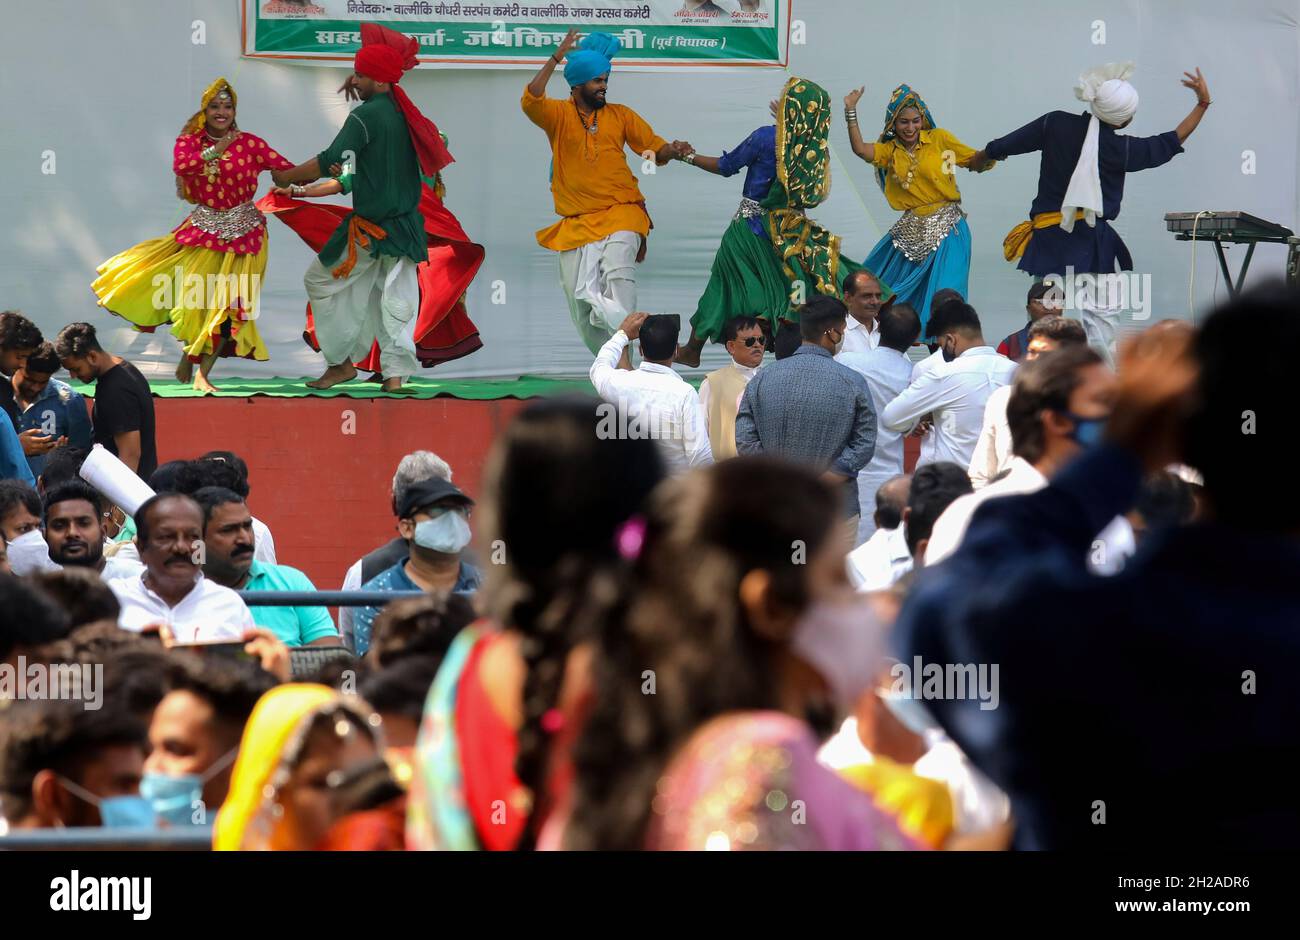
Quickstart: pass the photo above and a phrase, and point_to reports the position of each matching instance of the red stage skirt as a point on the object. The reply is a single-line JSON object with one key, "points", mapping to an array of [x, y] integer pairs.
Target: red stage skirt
{"points": [[443, 329]]}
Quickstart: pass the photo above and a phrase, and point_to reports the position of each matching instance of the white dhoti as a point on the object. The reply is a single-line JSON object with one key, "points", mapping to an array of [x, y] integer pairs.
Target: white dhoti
{"points": [[599, 281], [1100, 301], [378, 300]]}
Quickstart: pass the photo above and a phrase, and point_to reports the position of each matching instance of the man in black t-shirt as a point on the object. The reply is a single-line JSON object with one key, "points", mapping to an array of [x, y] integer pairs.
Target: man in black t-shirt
{"points": [[123, 409]]}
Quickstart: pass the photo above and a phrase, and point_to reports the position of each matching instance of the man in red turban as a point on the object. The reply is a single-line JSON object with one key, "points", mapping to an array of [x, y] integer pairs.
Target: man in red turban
{"points": [[363, 285]]}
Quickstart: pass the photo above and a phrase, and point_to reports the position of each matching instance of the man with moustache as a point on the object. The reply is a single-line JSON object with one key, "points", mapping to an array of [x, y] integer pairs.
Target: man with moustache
{"points": [[172, 592], [74, 531], [603, 226], [864, 298], [228, 560]]}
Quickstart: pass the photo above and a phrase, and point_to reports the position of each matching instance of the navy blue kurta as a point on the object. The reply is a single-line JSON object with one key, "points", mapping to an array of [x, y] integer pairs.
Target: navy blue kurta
{"points": [[1059, 135], [756, 153]]}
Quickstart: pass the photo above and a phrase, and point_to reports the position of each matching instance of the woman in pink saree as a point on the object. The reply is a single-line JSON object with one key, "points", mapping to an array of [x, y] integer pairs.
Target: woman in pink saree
{"points": [[733, 627]]}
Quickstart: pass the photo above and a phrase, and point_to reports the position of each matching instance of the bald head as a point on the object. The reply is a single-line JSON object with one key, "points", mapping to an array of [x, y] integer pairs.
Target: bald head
{"points": [[891, 500]]}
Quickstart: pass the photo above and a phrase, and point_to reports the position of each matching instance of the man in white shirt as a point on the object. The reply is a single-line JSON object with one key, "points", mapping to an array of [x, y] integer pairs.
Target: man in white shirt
{"points": [[932, 363], [721, 390], [1059, 406], [955, 395], [652, 400], [887, 371], [882, 559], [74, 531], [864, 297], [172, 591], [993, 449]]}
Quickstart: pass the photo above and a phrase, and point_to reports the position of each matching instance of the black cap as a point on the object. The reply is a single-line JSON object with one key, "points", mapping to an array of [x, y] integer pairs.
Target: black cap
{"points": [[426, 493]]}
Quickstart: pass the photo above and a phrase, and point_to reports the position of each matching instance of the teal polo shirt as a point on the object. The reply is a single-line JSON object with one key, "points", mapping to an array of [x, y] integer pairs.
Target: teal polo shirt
{"points": [[295, 626]]}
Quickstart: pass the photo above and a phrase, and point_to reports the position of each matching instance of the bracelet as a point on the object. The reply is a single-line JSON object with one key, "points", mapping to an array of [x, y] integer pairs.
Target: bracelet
{"points": [[209, 154], [689, 158], [1204, 104], [296, 190], [554, 59]]}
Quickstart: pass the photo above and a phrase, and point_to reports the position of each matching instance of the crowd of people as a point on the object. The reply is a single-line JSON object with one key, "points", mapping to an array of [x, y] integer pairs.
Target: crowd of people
{"points": [[738, 617], [615, 645]]}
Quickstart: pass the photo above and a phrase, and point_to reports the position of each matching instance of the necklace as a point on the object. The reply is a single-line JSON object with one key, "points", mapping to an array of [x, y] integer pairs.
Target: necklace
{"points": [[588, 151], [213, 168], [906, 184]]}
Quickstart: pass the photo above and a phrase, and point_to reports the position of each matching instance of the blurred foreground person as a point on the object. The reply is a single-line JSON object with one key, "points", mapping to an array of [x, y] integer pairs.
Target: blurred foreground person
{"points": [[742, 643], [299, 743], [1144, 714], [512, 692]]}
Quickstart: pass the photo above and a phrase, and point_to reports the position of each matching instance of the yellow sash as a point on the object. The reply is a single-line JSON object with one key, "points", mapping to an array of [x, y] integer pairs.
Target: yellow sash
{"points": [[1017, 240]]}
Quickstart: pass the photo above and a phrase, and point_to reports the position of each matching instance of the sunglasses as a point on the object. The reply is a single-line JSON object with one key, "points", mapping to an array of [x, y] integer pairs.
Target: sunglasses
{"points": [[752, 341]]}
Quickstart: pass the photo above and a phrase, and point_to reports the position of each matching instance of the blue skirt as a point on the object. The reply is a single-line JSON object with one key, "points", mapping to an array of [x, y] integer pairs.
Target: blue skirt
{"points": [[916, 282]]}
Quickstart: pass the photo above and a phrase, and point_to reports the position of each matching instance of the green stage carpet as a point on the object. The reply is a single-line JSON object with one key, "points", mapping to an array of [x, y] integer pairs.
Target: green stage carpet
{"points": [[525, 386]]}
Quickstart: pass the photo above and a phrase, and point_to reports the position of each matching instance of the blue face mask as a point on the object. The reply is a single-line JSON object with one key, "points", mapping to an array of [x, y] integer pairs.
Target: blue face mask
{"points": [[448, 533], [173, 798], [1087, 431], [116, 812]]}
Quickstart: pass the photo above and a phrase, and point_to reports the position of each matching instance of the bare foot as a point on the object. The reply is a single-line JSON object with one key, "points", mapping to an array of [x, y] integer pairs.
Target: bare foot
{"points": [[185, 369], [687, 356], [201, 384], [394, 385], [334, 375]]}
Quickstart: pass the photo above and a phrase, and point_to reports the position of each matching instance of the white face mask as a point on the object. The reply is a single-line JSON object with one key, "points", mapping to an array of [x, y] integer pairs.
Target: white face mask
{"points": [[910, 712], [448, 533], [843, 641], [29, 554]]}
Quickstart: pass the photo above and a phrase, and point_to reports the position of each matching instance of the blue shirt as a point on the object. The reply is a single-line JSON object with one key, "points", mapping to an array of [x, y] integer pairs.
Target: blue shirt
{"points": [[1059, 136], [13, 462], [811, 410], [757, 152], [295, 626], [1127, 689], [58, 412], [396, 579]]}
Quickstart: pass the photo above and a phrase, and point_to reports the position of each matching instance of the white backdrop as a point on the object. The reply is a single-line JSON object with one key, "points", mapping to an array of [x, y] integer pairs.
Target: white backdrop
{"points": [[105, 86]]}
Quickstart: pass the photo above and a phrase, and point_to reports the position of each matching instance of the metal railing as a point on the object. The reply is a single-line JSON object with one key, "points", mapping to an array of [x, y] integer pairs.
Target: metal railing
{"points": [[324, 598], [98, 839]]}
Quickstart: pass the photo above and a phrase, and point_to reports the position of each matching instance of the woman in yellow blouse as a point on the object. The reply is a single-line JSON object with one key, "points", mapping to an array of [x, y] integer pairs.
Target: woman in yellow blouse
{"points": [[928, 248]]}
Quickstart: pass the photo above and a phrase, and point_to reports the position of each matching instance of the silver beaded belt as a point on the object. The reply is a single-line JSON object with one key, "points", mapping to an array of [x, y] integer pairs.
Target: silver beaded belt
{"points": [[227, 224], [749, 208], [918, 235]]}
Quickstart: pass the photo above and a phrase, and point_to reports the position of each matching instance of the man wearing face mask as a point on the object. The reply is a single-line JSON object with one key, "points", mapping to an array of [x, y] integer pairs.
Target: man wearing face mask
{"points": [[63, 765], [956, 394], [1059, 405], [433, 518], [194, 737], [228, 539]]}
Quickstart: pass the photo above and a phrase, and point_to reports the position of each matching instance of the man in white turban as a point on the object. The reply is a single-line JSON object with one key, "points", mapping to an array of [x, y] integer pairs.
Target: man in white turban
{"points": [[1081, 179]]}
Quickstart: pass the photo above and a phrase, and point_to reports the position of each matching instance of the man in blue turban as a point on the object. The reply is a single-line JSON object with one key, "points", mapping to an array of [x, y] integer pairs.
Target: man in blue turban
{"points": [[601, 234]]}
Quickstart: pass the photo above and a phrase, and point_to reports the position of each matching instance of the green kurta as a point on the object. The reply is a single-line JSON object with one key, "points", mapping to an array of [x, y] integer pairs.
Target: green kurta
{"points": [[385, 181]]}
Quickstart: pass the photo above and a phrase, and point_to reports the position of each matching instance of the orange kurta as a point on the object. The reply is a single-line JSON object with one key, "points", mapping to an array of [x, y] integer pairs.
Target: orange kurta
{"points": [[595, 192]]}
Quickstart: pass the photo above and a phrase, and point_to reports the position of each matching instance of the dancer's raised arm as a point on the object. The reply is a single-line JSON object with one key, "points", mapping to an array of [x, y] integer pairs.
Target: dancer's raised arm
{"points": [[1197, 84], [865, 150], [537, 87]]}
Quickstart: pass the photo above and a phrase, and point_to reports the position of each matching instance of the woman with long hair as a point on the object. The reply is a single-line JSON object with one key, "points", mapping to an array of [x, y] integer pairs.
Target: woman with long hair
{"points": [[204, 277], [730, 637], [491, 757]]}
